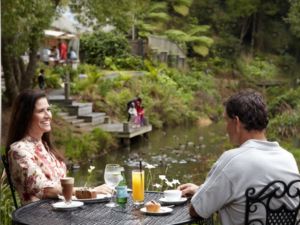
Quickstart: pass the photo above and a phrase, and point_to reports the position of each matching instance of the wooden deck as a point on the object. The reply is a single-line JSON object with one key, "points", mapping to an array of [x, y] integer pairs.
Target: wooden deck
{"points": [[125, 131]]}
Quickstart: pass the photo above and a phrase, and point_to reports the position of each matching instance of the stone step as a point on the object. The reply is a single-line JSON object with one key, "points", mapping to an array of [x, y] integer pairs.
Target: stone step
{"points": [[80, 115], [59, 100], [87, 125], [82, 104], [70, 118], [94, 117], [80, 109], [76, 121], [63, 114]]}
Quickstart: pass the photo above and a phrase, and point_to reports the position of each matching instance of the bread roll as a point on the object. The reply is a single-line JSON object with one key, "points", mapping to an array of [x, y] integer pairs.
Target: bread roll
{"points": [[152, 206]]}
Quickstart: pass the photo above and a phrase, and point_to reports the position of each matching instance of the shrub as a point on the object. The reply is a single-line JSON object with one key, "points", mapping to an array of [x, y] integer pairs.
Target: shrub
{"points": [[285, 125], [284, 102], [95, 47], [129, 62], [79, 146], [257, 68], [6, 204], [53, 81]]}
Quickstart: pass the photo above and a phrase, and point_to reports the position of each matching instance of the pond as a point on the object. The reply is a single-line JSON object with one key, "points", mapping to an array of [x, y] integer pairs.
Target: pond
{"points": [[185, 153]]}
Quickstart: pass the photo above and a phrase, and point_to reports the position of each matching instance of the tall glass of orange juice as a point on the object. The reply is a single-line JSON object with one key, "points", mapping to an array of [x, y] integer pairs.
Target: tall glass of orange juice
{"points": [[138, 187]]}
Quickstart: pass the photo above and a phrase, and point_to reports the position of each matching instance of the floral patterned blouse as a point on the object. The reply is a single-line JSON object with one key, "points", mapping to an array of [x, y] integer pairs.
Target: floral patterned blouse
{"points": [[34, 168]]}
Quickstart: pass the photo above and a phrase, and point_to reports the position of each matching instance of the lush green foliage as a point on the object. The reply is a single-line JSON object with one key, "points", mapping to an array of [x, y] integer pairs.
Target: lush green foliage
{"points": [[22, 20], [241, 25], [285, 125], [285, 112], [6, 203], [129, 62], [95, 47], [293, 17], [169, 96], [285, 100], [257, 68], [76, 145], [23, 24], [6, 199]]}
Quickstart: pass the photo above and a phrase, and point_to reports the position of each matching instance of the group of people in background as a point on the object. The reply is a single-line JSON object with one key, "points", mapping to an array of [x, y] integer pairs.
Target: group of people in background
{"points": [[136, 112], [58, 54]]}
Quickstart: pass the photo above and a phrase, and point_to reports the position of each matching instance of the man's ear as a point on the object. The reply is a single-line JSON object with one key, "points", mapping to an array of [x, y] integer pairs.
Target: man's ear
{"points": [[238, 124]]}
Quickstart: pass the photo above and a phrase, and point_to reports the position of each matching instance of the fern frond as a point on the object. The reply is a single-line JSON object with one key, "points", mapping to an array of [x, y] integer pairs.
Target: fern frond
{"points": [[201, 50], [158, 16], [181, 9], [198, 29]]}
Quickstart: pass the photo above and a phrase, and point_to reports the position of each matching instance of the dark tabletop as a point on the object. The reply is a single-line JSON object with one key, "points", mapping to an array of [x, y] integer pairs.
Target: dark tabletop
{"points": [[42, 213]]}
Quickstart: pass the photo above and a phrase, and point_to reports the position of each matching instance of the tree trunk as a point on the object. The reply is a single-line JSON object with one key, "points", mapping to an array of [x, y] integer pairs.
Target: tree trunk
{"points": [[31, 67], [17, 71], [244, 30], [17, 76], [11, 87], [253, 33], [133, 28]]}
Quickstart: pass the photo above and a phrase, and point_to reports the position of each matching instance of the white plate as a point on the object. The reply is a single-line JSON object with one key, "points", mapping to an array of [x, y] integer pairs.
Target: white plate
{"points": [[178, 202], [99, 198], [63, 205], [162, 211]]}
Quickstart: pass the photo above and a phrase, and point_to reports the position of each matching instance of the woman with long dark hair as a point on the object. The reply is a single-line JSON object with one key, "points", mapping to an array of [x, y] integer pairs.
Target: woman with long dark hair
{"points": [[35, 166]]}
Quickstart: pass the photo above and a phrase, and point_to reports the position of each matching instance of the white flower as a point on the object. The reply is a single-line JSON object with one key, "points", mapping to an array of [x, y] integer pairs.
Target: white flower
{"points": [[162, 177], [174, 181], [149, 166], [170, 184], [157, 185], [91, 169]]}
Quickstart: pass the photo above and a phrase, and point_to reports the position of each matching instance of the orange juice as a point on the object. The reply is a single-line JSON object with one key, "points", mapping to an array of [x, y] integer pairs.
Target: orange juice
{"points": [[138, 187]]}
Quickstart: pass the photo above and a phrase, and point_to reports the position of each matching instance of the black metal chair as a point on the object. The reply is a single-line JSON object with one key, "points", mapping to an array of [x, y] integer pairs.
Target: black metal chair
{"points": [[272, 202], [12, 188]]}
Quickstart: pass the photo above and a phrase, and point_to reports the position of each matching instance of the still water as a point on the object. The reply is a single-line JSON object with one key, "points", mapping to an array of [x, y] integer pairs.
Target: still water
{"points": [[183, 153]]}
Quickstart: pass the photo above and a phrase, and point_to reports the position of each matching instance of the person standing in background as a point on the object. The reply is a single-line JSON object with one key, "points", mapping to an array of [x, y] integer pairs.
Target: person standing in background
{"points": [[56, 54], [140, 111], [63, 50], [41, 79], [44, 55]]}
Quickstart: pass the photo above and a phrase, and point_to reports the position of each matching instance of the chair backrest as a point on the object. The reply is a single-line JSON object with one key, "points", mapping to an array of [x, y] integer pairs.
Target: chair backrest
{"points": [[273, 201], [12, 188]]}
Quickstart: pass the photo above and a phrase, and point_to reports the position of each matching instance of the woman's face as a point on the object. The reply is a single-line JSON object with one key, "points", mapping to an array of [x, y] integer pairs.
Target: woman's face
{"points": [[41, 118]]}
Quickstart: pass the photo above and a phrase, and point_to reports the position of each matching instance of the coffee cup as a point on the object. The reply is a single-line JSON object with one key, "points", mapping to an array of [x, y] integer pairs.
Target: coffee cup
{"points": [[172, 195], [67, 184]]}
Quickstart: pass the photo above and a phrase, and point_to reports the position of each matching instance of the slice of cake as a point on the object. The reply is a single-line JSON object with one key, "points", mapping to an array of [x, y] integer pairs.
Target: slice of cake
{"points": [[85, 194], [152, 206]]}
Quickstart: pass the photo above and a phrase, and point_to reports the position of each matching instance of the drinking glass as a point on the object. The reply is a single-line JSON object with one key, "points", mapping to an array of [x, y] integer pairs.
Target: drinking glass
{"points": [[112, 177], [138, 187], [67, 185]]}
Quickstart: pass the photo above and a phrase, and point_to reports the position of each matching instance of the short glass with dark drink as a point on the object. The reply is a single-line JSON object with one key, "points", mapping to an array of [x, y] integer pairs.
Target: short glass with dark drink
{"points": [[67, 185]]}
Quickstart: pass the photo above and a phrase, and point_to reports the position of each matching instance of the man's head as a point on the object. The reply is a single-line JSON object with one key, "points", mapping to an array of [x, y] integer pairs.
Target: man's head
{"points": [[246, 114]]}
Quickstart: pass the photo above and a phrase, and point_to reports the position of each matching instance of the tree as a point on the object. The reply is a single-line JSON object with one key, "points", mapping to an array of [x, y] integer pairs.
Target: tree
{"points": [[294, 17], [240, 25], [23, 23], [97, 13]]}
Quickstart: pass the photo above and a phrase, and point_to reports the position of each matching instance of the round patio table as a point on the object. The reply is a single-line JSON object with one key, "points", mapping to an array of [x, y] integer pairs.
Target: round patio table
{"points": [[42, 213]]}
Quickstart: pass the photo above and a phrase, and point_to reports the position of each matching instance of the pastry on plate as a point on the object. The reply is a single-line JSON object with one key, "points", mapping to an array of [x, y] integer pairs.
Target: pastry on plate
{"points": [[152, 206]]}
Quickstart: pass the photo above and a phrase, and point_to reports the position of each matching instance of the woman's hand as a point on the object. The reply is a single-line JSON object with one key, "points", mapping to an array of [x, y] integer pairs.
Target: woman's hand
{"points": [[188, 189], [103, 189]]}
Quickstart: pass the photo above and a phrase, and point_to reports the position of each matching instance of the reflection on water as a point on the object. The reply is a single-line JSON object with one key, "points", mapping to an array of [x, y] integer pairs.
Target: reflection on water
{"points": [[183, 153]]}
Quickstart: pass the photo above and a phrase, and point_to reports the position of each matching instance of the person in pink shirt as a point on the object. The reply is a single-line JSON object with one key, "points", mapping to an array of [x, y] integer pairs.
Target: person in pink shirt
{"points": [[140, 110], [63, 50]]}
